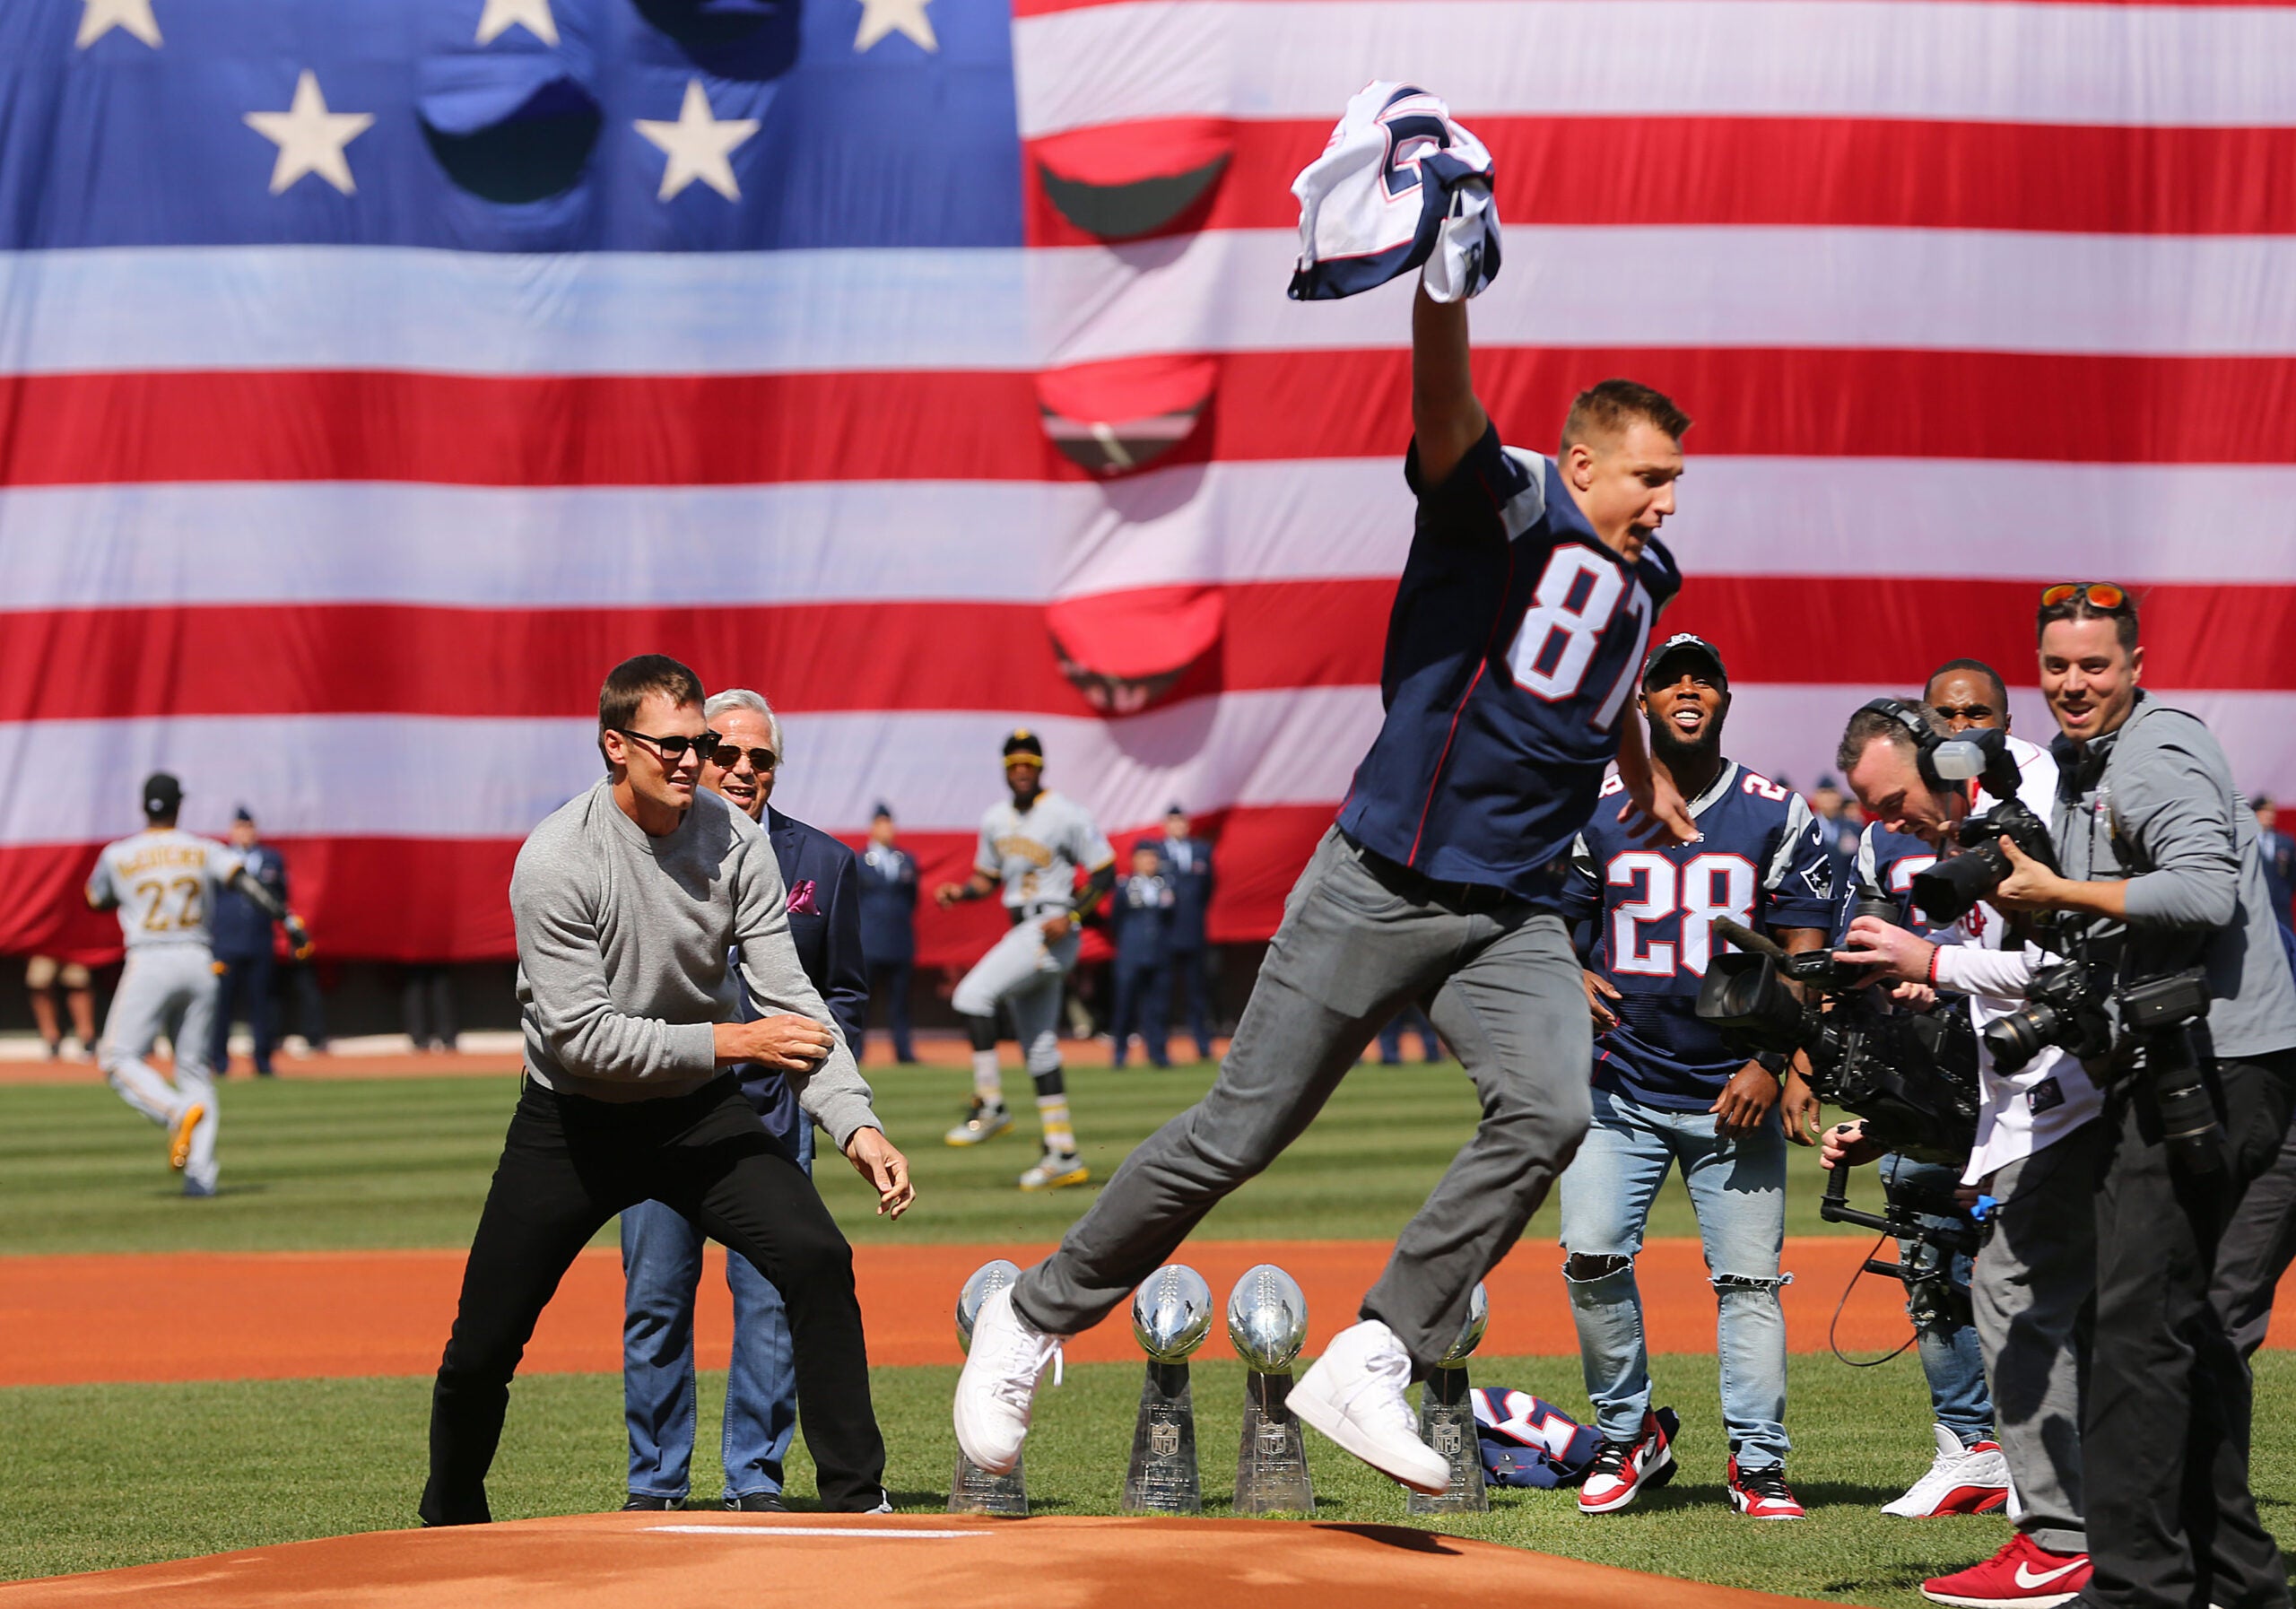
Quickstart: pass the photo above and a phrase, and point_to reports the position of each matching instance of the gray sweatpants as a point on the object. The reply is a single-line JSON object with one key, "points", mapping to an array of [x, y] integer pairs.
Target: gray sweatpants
{"points": [[171, 989], [1503, 988], [1024, 974], [2034, 1290]]}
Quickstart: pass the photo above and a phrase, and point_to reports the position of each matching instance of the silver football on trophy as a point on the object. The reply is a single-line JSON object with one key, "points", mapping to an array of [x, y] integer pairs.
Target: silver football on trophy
{"points": [[987, 1280], [1267, 1318], [1171, 1312], [1471, 1331]]}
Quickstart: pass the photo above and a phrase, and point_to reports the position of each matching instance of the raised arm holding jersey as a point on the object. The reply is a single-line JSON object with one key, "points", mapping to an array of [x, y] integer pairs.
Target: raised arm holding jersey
{"points": [[629, 901], [1519, 622]]}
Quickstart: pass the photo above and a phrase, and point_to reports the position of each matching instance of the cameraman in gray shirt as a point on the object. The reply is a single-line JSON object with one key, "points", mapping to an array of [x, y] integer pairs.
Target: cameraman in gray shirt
{"points": [[2160, 888], [629, 901]]}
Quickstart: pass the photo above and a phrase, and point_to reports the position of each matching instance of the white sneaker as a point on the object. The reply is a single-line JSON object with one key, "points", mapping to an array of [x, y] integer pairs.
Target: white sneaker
{"points": [[1354, 1394], [1006, 1364], [1961, 1480]]}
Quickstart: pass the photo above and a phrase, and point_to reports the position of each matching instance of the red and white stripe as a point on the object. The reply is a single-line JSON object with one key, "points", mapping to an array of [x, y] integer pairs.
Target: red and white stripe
{"points": [[350, 535]]}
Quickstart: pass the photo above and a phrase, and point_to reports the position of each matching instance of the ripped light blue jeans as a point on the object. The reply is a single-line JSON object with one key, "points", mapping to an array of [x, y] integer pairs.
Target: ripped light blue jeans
{"points": [[1738, 1190]]}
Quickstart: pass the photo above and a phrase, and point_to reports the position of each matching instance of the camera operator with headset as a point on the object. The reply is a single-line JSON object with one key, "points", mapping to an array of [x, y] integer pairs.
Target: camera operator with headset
{"points": [[2180, 1003], [2036, 1144]]}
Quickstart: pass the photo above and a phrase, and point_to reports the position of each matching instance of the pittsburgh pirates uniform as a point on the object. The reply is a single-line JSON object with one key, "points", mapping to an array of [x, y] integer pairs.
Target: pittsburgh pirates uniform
{"points": [[164, 883], [1035, 854]]}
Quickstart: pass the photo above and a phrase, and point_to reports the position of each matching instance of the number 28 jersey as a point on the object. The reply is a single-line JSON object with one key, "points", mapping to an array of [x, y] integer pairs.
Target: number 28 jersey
{"points": [[1511, 654], [1762, 862], [164, 883]]}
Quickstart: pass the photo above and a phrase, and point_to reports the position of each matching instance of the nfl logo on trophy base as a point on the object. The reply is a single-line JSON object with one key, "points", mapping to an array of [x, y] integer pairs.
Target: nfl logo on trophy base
{"points": [[1171, 1313], [1447, 1421], [972, 1490], [1267, 1321]]}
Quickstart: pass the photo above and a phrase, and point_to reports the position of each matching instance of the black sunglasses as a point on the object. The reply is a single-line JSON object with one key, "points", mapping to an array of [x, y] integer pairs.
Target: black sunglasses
{"points": [[728, 756], [675, 748]]}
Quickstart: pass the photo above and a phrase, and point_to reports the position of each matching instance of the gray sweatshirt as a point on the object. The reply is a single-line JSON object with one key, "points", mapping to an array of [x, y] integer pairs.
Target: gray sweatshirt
{"points": [[2153, 801], [625, 950]]}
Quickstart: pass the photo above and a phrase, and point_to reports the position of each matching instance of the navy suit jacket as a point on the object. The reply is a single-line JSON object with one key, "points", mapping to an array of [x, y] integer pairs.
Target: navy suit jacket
{"points": [[238, 929], [888, 906], [1191, 890], [823, 880]]}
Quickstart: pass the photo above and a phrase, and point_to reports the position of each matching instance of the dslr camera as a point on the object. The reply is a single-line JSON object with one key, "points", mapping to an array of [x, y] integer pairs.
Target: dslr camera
{"points": [[1951, 889], [1911, 1076]]}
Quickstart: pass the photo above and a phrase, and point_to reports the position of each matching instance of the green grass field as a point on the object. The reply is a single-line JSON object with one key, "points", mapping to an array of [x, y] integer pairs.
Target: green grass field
{"points": [[405, 1163], [106, 1475]]}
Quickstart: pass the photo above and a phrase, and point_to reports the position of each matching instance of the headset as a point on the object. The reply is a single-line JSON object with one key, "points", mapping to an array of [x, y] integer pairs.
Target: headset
{"points": [[1980, 753]]}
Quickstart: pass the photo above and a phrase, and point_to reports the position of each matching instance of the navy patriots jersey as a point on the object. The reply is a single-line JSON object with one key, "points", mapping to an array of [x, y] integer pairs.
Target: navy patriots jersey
{"points": [[1511, 655], [1761, 861], [1889, 862]]}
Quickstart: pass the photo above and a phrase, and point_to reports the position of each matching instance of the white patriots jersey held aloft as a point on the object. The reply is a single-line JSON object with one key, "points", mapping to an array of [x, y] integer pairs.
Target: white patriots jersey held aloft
{"points": [[1399, 185], [1035, 853], [164, 883]]}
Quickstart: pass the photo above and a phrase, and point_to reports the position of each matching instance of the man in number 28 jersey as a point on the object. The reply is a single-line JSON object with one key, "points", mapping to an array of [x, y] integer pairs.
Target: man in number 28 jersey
{"points": [[1519, 623], [1669, 1093]]}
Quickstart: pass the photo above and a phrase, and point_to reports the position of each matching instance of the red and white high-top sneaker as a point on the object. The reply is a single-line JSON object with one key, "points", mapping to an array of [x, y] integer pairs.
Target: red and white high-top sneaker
{"points": [[1763, 1494], [1961, 1480], [1624, 1468]]}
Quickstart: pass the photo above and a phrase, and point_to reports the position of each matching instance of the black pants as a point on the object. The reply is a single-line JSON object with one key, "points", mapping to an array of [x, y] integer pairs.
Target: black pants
{"points": [[889, 982], [569, 1164], [244, 989], [2258, 1245], [1140, 987], [2164, 1437], [1188, 973]]}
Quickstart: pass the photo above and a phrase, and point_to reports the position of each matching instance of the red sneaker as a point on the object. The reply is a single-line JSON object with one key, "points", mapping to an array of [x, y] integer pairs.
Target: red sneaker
{"points": [[1624, 1468], [1763, 1494], [2024, 1573]]}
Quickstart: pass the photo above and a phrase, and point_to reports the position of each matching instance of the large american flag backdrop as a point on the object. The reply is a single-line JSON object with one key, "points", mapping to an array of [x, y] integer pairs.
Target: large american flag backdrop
{"points": [[374, 373]]}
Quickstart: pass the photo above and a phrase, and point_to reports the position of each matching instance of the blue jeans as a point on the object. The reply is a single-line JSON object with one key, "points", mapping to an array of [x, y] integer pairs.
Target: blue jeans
{"points": [[661, 1264], [1738, 1190], [1951, 1356]]}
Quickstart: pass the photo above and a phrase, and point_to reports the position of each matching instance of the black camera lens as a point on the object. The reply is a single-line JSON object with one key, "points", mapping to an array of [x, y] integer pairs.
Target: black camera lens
{"points": [[2018, 1038], [1950, 890]]}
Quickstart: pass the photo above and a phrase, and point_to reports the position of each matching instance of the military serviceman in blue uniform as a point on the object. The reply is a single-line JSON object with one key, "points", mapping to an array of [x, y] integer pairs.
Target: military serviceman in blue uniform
{"points": [[240, 935], [1519, 625], [887, 890], [1188, 960], [1140, 925], [1669, 1091]]}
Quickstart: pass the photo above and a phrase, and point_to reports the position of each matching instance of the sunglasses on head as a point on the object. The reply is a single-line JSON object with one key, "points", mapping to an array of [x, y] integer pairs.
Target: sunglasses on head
{"points": [[673, 748], [2098, 594], [729, 754]]}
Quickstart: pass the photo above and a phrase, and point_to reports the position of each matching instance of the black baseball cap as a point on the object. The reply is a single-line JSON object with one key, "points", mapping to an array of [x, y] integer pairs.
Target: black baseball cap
{"points": [[1023, 744], [162, 794], [1680, 645]]}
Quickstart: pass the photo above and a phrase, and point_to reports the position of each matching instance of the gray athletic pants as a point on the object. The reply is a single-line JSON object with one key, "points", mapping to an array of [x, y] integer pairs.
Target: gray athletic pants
{"points": [[1503, 987], [166, 989], [2034, 1290]]}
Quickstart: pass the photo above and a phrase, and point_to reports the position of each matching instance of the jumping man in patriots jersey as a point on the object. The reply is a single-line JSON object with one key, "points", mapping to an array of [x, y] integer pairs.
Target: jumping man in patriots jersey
{"points": [[1668, 1091], [1521, 617]]}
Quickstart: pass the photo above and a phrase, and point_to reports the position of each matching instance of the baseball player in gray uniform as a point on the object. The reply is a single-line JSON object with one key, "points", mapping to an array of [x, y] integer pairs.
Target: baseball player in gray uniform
{"points": [[1033, 846], [164, 883]]}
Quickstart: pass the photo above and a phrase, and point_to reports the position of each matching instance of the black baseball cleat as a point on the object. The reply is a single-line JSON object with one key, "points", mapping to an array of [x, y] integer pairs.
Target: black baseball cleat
{"points": [[757, 1502], [646, 1502]]}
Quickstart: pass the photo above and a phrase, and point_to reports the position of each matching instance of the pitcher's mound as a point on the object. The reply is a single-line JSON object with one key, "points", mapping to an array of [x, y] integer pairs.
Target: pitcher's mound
{"points": [[702, 1560]]}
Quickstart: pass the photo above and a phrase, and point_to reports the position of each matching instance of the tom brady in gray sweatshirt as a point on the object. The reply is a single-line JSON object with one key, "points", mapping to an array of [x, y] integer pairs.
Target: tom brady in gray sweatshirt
{"points": [[628, 901]]}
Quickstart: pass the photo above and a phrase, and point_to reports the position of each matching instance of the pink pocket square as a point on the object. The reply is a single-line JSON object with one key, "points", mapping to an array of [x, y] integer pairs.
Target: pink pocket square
{"points": [[801, 900]]}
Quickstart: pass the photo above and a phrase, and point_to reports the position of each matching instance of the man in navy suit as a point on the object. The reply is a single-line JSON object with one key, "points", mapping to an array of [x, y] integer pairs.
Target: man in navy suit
{"points": [[240, 935], [889, 926], [1187, 957], [1140, 923], [661, 1249]]}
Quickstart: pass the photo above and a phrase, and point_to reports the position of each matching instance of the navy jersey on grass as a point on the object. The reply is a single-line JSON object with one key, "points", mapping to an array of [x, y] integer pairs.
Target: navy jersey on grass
{"points": [[1761, 861], [1511, 655]]}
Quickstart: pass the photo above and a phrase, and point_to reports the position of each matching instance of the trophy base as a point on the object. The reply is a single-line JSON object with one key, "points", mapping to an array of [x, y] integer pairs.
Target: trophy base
{"points": [[1162, 1477], [1447, 1424], [974, 1490], [1271, 1463]]}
